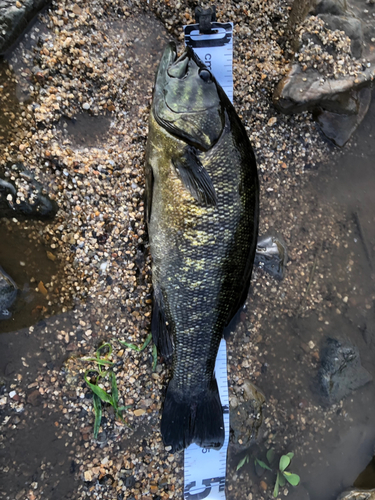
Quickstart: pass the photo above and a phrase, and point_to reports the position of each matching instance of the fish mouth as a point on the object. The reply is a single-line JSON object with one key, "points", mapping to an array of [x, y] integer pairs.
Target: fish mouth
{"points": [[179, 67]]}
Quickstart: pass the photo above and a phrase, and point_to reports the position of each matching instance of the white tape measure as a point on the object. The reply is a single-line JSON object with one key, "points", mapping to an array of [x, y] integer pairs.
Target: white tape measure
{"points": [[215, 50], [205, 469]]}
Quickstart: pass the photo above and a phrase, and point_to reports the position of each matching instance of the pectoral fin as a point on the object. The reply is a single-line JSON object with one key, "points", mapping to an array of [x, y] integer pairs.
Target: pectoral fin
{"points": [[194, 177]]}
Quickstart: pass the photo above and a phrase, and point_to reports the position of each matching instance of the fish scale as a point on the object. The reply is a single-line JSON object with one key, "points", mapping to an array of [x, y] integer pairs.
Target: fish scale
{"points": [[202, 245]]}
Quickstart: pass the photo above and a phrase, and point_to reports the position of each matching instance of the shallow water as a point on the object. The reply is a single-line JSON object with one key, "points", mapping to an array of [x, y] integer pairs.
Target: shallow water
{"points": [[328, 460]]}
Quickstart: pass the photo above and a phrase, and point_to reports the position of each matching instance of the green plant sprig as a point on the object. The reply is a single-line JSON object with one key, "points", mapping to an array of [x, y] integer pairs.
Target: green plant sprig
{"points": [[101, 395], [282, 475], [142, 348]]}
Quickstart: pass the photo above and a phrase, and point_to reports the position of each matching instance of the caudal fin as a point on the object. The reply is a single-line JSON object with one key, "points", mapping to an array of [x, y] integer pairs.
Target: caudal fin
{"points": [[187, 420]]}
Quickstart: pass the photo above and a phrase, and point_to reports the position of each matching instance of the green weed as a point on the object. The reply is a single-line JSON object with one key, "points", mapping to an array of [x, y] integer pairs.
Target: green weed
{"points": [[97, 375], [282, 475], [140, 349], [101, 395]]}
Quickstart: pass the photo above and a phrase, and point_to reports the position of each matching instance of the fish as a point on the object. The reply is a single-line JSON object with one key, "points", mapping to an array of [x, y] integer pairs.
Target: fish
{"points": [[201, 210]]}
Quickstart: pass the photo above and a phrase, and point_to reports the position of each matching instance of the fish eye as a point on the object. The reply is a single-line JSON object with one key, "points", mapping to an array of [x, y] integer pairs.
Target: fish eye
{"points": [[205, 75]]}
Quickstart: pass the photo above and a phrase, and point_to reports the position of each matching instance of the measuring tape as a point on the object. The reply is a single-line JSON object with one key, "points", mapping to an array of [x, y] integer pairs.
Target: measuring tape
{"points": [[205, 469]]}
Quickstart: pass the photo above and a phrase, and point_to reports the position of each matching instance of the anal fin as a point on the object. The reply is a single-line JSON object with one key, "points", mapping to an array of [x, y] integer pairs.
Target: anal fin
{"points": [[161, 335]]}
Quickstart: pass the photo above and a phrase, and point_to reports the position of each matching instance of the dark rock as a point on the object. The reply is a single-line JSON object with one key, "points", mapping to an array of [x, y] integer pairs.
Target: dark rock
{"points": [[13, 19], [352, 28], [34, 398], [334, 7], [35, 205], [339, 128], [9, 369], [341, 371], [298, 493], [304, 91], [246, 418], [129, 482], [8, 294]]}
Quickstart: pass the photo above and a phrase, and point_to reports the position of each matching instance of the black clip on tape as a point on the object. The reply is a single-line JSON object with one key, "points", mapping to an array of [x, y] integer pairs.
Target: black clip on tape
{"points": [[204, 17]]}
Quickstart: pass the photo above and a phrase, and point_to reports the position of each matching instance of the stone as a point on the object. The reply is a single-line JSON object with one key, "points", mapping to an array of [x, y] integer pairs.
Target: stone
{"points": [[341, 371], [334, 7], [14, 18], [357, 494], [246, 418], [34, 398], [8, 294], [333, 87], [25, 196], [338, 127], [304, 91]]}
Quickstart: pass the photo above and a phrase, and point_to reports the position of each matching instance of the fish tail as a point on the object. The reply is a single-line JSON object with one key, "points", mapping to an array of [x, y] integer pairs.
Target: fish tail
{"points": [[197, 419]]}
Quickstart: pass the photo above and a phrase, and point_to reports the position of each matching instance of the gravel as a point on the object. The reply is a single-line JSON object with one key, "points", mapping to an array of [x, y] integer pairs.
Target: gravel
{"points": [[98, 59]]}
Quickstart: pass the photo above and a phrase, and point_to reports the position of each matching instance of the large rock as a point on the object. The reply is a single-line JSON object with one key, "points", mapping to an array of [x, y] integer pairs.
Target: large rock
{"points": [[14, 17], [338, 127], [329, 71], [341, 371], [306, 91]]}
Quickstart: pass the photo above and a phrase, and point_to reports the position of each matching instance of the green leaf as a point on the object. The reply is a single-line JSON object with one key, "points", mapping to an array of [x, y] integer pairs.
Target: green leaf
{"points": [[99, 361], [98, 414], [135, 347], [154, 357], [290, 455], [131, 346], [262, 464], [281, 480], [276, 488], [124, 408], [146, 342], [270, 455], [293, 479], [242, 462], [284, 462], [103, 395], [114, 391]]}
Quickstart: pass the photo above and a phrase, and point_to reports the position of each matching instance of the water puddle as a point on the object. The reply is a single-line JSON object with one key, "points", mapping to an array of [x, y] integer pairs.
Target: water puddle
{"points": [[85, 130], [34, 270]]}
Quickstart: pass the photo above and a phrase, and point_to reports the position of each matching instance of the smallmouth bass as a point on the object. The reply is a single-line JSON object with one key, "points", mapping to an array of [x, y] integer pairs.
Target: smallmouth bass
{"points": [[202, 215]]}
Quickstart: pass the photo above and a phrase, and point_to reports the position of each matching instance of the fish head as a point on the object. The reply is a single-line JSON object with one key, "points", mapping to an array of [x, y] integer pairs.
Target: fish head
{"points": [[187, 99]]}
